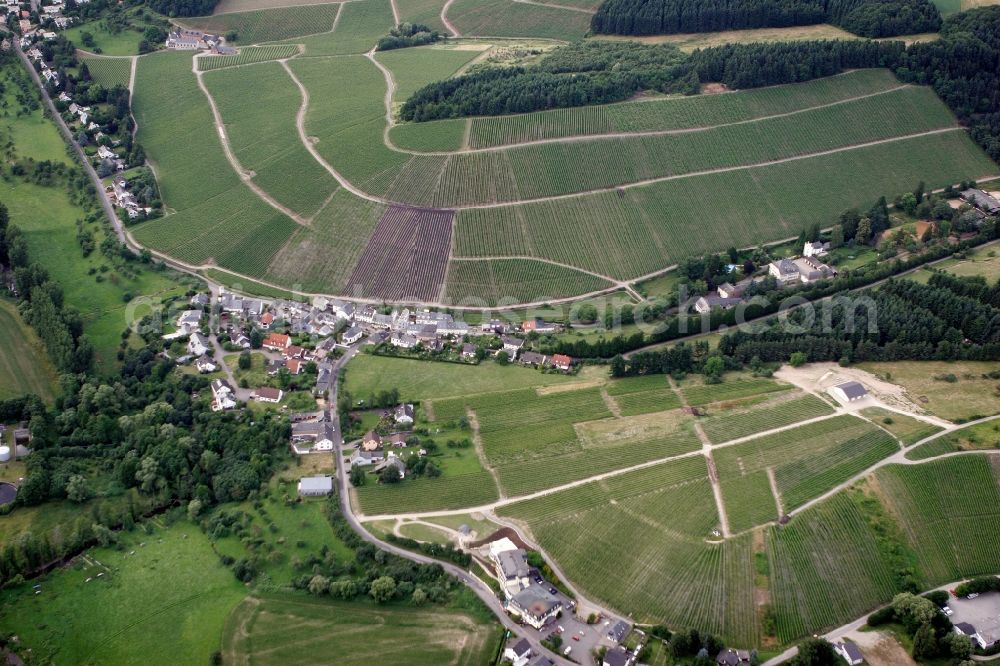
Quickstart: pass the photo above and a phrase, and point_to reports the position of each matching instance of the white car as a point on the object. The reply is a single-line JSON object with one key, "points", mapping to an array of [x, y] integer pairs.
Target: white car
{"points": [[947, 610], [973, 595]]}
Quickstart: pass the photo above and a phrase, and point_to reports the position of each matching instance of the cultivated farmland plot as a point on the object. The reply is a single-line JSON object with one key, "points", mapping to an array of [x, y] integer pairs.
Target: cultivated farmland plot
{"points": [[247, 56], [805, 461], [506, 18], [766, 416], [406, 256], [269, 25], [500, 281], [110, 72]]}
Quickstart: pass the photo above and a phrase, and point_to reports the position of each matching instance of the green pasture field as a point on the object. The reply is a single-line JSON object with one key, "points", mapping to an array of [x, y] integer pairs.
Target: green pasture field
{"points": [[630, 233], [673, 113], [972, 394], [506, 18], [110, 72], [463, 481], [122, 43], [806, 462], [48, 219], [982, 436], [510, 281], [422, 532], [481, 527], [421, 381], [784, 410], [979, 261], [32, 134], [247, 56], [425, 12], [361, 24], [269, 25], [24, 364], [273, 629], [163, 598], [278, 548], [414, 68], [623, 541], [938, 505], [909, 430], [214, 217], [826, 568], [257, 106]]}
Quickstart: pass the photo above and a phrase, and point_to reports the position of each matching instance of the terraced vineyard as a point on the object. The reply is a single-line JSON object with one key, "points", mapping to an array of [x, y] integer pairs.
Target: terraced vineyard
{"points": [[939, 505], [643, 395], [805, 461], [778, 413], [506, 18], [659, 114], [509, 281], [826, 569], [110, 72], [623, 541], [269, 25], [258, 109], [247, 56]]}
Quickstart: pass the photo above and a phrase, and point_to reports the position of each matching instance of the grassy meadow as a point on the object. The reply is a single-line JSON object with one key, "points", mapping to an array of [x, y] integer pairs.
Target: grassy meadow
{"points": [[957, 391], [24, 364]]}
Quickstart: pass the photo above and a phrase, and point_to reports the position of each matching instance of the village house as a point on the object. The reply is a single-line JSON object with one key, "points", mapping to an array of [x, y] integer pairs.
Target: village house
{"points": [[729, 290], [535, 605], [987, 203], [784, 271], [392, 465], [312, 436], [539, 326], [713, 301], [977, 638], [403, 340], [512, 570], [404, 414], [189, 320], [324, 379], [205, 365], [352, 335], [731, 657], [519, 653], [295, 365], [811, 269], [223, 396], [815, 249], [239, 339], [268, 394], [364, 458], [198, 344], [616, 657], [371, 441], [512, 345], [533, 359], [468, 350], [562, 362], [278, 342], [850, 653]]}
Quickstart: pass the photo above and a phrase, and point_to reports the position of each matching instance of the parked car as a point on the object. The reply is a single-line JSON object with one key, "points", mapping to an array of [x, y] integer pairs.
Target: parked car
{"points": [[973, 595], [947, 610]]}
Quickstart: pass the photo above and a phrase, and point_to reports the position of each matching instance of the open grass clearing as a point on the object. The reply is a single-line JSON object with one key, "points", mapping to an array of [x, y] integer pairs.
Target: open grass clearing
{"points": [[907, 429], [972, 394], [982, 261], [294, 628], [162, 598], [24, 365]]}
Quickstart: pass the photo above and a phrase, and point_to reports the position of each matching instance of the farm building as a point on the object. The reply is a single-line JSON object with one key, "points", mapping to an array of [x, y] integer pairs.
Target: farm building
{"points": [[315, 486], [850, 652], [849, 391], [616, 657], [708, 302], [983, 201]]}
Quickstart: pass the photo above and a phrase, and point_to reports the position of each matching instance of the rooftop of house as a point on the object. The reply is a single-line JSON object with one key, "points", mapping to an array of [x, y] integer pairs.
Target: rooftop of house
{"points": [[853, 389], [316, 483]]}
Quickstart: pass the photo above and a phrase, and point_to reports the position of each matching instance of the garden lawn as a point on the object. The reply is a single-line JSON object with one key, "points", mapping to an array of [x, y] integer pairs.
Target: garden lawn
{"points": [[163, 598]]}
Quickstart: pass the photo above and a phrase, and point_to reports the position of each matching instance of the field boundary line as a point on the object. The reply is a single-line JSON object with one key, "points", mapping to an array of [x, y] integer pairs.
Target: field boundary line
{"points": [[606, 136], [291, 6], [444, 19], [234, 162], [477, 441], [590, 12], [773, 481]]}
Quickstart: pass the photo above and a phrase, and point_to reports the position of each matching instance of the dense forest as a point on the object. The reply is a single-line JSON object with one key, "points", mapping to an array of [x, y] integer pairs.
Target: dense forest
{"points": [[574, 75], [183, 7], [868, 18]]}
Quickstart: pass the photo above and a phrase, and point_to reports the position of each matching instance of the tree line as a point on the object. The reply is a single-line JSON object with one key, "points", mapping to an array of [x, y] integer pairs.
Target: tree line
{"points": [[405, 35], [574, 75], [868, 18]]}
